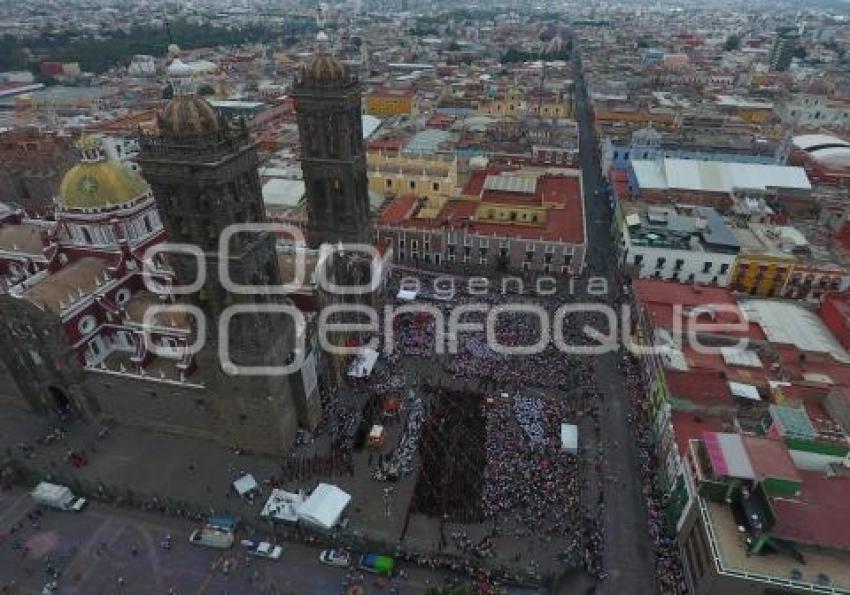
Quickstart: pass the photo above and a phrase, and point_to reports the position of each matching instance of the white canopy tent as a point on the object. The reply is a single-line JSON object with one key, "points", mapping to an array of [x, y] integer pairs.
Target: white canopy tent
{"points": [[246, 485], [362, 366], [283, 506], [569, 438], [406, 295], [324, 507]]}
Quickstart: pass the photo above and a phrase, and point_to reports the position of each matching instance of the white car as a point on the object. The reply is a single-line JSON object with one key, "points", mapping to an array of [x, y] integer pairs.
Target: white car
{"points": [[338, 558], [263, 549]]}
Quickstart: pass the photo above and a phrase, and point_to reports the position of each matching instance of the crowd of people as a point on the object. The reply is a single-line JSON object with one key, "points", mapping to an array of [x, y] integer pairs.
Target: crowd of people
{"points": [[668, 564]]}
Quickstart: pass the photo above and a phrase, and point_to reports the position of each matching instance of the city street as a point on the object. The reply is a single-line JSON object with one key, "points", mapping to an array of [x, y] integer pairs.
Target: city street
{"points": [[628, 556], [97, 547]]}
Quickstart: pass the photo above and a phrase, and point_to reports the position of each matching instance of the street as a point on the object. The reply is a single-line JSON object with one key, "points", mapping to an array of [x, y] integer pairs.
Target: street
{"points": [[628, 555], [95, 548]]}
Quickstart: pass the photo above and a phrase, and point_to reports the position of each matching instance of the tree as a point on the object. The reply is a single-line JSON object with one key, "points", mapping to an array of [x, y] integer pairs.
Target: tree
{"points": [[733, 42], [206, 89], [168, 91]]}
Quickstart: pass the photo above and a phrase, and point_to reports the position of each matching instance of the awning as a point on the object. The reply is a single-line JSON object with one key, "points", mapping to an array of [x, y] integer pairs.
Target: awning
{"points": [[569, 438], [744, 391], [283, 506], [406, 295], [728, 456], [362, 366], [245, 484]]}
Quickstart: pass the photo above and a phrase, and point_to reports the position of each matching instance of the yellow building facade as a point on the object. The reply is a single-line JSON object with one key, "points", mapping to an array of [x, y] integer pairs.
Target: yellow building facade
{"points": [[517, 103], [761, 274], [432, 177], [389, 102]]}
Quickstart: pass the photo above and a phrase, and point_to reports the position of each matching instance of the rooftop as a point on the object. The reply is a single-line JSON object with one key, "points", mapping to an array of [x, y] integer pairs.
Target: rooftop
{"points": [[717, 176], [76, 279], [732, 556]]}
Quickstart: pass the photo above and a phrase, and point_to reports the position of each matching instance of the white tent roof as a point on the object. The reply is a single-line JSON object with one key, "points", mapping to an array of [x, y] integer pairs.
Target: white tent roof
{"points": [[406, 295], [569, 437], [283, 505], [362, 366], [325, 506], [245, 484]]}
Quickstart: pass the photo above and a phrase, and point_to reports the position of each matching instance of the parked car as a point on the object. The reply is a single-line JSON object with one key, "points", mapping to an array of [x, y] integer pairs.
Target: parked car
{"points": [[263, 549], [57, 496], [334, 557], [377, 564]]}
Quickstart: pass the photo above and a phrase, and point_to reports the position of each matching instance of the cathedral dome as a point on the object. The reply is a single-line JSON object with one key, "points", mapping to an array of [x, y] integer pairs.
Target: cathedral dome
{"points": [[188, 115], [324, 69], [100, 184]]}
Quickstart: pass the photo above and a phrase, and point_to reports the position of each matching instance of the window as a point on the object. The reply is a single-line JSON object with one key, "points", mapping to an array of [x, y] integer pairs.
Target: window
{"points": [[706, 266], [691, 278], [389, 183], [86, 324], [413, 184], [414, 245], [435, 186], [86, 235], [723, 268], [659, 263], [437, 259], [679, 263], [638, 259], [568, 258], [401, 243]]}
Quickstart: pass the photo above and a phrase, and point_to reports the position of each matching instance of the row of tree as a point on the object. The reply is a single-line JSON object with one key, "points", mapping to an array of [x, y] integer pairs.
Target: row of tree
{"points": [[98, 54]]}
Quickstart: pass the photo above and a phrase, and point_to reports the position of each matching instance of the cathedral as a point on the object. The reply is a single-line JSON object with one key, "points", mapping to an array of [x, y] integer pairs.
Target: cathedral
{"points": [[76, 331]]}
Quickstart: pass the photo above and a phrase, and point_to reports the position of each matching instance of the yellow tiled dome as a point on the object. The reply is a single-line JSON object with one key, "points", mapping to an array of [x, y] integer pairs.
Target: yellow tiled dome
{"points": [[100, 184]]}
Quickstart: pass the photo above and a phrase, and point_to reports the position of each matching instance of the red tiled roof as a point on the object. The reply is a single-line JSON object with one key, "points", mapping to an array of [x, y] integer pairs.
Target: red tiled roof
{"points": [[659, 298], [563, 223], [770, 458], [689, 426], [821, 515], [398, 210], [704, 388]]}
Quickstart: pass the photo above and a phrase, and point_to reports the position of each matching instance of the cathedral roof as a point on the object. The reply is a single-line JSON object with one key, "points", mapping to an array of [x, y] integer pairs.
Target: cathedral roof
{"points": [[188, 115], [324, 70], [100, 184]]}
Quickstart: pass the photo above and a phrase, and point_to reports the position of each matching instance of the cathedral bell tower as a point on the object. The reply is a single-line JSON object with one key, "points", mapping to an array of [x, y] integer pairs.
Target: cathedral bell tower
{"points": [[203, 173], [332, 156]]}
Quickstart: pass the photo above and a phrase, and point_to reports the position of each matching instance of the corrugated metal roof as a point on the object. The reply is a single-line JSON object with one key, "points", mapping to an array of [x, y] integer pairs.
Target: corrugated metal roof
{"points": [[717, 176]]}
